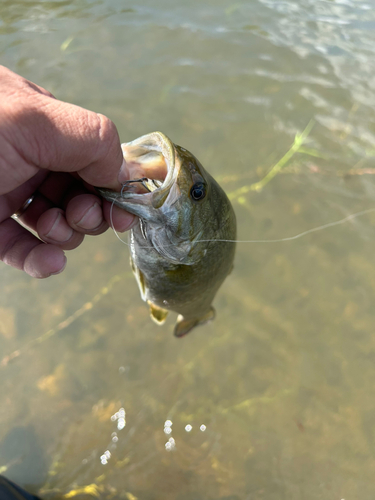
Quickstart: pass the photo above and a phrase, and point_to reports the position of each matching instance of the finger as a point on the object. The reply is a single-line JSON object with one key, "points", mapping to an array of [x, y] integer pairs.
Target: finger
{"points": [[13, 201], [44, 261], [75, 191], [50, 224], [53, 228], [84, 213], [34, 211], [22, 250], [56, 185], [117, 218]]}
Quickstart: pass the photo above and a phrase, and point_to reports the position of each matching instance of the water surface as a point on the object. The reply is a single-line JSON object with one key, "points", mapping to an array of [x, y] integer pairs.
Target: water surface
{"points": [[283, 381]]}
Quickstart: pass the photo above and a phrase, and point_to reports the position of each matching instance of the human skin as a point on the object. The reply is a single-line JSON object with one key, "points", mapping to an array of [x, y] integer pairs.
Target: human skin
{"points": [[57, 152]]}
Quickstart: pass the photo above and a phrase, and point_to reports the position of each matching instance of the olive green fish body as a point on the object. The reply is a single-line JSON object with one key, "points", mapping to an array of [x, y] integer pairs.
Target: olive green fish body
{"points": [[177, 254]]}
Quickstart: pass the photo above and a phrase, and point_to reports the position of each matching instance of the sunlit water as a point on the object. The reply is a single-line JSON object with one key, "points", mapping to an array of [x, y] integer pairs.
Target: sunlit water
{"points": [[275, 399]]}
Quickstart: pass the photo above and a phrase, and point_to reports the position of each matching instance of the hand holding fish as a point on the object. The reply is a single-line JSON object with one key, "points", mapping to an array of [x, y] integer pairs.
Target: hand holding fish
{"points": [[52, 154]]}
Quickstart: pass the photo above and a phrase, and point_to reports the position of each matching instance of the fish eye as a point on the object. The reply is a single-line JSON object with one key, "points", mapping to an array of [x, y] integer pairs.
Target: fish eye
{"points": [[198, 191]]}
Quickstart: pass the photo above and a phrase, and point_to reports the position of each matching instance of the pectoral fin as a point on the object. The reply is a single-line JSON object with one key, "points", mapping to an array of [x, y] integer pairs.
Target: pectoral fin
{"points": [[183, 326], [158, 314]]}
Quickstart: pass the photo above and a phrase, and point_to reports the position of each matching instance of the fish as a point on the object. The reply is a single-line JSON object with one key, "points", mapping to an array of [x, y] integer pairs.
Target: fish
{"points": [[183, 247]]}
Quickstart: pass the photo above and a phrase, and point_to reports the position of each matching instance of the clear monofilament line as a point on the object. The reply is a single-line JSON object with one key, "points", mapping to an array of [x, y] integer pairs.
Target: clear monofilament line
{"points": [[304, 233], [113, 227], [279, 240]]}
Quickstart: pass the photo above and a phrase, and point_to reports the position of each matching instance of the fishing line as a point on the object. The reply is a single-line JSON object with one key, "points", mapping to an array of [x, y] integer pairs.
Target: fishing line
{"points": [[288, 238], [304, 233], [113, 227]]}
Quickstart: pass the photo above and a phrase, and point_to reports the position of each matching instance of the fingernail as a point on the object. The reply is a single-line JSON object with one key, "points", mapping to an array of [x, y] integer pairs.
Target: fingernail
{"points": [[60, 232], [92, 218], [123, 175], [62, 269]]}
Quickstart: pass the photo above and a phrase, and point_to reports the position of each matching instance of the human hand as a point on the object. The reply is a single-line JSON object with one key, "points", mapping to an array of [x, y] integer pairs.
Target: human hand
{"points": [[55, 152]]}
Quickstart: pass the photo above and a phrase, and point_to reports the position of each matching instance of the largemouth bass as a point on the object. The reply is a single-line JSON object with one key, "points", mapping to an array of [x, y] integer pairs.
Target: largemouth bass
{"points": [[177, 252]]}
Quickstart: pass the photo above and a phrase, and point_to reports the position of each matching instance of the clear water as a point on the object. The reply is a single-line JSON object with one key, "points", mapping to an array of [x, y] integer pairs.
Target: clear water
{"points": [[284, 379]]}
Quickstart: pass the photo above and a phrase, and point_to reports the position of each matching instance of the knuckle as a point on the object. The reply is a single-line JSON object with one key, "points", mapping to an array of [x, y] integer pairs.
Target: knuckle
{"points": [[107, 132]]}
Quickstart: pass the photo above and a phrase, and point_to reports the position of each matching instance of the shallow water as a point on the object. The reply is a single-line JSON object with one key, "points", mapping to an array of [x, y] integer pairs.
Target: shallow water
{"points": [[283, 380]]}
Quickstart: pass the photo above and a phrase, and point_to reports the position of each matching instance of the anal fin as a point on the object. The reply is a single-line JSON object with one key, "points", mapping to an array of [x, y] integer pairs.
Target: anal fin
{"points": [[184, 326], [158, 314]]}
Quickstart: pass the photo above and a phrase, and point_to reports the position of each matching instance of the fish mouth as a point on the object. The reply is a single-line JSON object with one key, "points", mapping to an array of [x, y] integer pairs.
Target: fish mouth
{"points": [[153, 193], [151, 163], [153, 171]]}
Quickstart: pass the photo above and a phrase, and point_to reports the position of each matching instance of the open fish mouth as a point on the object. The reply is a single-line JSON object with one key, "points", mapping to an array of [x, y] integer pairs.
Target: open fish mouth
{"points": [[153, 172], [151, 162]]}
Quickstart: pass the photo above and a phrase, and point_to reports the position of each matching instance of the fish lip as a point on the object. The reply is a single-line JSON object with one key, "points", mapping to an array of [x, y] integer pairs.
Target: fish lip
{"points": [[172, 172]]}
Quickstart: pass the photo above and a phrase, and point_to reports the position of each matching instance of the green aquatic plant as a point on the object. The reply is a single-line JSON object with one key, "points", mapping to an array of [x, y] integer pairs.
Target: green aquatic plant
{"points": [[66, 43], [297, 147]]}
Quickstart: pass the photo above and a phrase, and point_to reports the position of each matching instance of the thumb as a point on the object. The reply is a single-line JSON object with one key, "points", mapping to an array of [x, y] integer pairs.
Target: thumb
{"points": [[68, 138], [39, 131]]}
